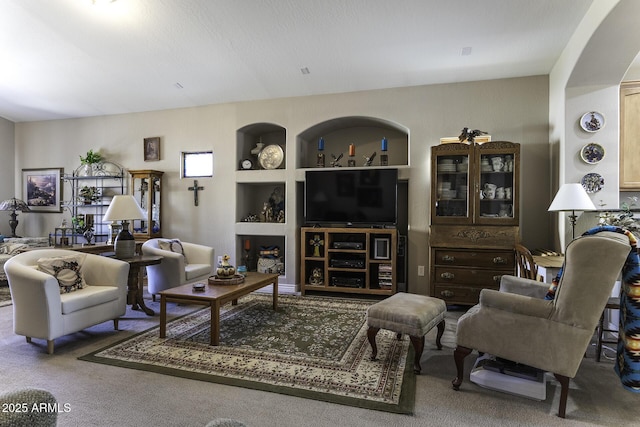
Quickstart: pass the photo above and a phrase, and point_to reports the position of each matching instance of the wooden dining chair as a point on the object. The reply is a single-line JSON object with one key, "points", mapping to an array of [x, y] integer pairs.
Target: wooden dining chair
{"points": [[527, 267]]}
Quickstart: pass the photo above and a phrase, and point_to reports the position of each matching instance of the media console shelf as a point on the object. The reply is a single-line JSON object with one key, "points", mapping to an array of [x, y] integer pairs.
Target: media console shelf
{"points": [[350, 260]]}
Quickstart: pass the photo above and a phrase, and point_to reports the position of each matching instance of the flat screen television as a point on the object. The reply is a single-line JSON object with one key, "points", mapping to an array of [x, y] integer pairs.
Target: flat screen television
{"points": [[365, 197]]}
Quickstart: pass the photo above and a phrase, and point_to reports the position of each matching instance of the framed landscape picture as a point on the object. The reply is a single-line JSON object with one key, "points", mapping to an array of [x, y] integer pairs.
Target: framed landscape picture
{"points": [[42, 189]]}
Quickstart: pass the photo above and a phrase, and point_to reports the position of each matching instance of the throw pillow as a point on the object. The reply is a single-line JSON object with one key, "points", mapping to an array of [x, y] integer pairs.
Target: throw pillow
{"points": [[13, 248], [66, 269], [173, 245]]}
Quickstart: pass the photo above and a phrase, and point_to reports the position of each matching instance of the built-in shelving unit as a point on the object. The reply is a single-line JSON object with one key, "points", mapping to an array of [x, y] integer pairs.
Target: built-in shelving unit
{"points": [[261, 196], [255, 183]]}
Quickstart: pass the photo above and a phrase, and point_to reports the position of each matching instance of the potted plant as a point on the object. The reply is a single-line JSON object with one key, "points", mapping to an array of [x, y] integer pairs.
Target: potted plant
{"points": [[90, 159], [88, 194], [623, 218]]}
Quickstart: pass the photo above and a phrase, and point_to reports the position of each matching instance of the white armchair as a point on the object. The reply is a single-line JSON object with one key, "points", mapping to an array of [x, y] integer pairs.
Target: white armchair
{"points": [[174, 270], [41, 311]]}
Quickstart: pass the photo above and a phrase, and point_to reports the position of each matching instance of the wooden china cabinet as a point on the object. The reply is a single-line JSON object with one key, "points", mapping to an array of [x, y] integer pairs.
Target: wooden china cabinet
{"points": [[475, 215]]}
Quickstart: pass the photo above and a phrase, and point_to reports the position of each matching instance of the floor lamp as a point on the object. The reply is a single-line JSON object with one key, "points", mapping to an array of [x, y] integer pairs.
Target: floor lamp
{"points": [[124, 208], [13, 205], [571, 198]]}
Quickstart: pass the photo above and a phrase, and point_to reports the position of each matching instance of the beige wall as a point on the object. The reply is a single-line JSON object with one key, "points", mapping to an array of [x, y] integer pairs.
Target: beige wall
{"points": [[7, 175], [510, 109], [578, 84]]}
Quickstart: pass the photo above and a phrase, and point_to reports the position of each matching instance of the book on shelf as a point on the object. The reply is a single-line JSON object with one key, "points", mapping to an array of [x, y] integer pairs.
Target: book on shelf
{"points": [[385, 276]]}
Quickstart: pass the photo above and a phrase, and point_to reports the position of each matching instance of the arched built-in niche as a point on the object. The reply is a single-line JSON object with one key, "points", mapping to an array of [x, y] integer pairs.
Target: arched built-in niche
{"points": [[365, 133], [250, 135]]}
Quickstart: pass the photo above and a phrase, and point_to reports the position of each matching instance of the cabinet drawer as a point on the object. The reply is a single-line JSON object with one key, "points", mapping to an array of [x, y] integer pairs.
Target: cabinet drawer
{"points": [[455, 294], [486, 259], [469, 276]]}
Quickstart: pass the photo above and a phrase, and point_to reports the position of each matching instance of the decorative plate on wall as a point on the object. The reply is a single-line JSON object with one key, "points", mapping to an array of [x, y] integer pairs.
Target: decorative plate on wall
{"points": [[592, 121], [271, 156], [592, 153], [592, 182]]}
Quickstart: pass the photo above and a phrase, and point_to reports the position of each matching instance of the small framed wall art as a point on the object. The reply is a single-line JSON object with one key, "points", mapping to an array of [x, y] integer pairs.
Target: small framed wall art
{"points": [[42, 189], [152, 149]]}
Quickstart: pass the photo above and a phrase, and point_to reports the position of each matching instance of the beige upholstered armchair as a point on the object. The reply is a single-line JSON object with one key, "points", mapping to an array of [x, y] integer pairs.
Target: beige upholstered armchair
{"points": [[182, 263], [47, 307], [551, 335]]}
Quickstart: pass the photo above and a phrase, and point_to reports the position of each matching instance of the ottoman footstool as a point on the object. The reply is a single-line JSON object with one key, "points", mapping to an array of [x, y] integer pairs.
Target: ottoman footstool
{"points": [[410, 314]]}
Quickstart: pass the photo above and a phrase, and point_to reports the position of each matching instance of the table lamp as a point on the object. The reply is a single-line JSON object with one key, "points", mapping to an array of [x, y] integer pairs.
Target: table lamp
{"points": [[13, 205], [572, 197], [124, 208]]}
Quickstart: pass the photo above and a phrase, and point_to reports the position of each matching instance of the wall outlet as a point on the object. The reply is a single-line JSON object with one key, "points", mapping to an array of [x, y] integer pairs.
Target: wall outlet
{"points": [[421, 270]]}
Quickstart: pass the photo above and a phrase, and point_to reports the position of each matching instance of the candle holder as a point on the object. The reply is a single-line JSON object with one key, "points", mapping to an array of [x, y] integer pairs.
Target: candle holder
{"points": [[246, 258], [384, 158], [320, 157], [247, 251], [352, 153]]}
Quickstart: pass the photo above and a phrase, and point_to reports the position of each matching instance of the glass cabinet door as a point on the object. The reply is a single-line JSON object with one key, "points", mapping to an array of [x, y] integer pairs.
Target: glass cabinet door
{"points": [[146, 189], [451, 198], [475, 183], [497, 192]]}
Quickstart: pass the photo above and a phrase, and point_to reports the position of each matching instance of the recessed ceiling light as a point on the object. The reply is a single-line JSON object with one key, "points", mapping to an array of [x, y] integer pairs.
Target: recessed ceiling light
{"points": [[305, 70], [466, 51], [101, 2]]}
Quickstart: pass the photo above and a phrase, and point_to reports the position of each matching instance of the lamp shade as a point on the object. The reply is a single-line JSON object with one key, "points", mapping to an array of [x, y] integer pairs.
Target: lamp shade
{"points": [[572, 197], [14, 204], [124, 208]]}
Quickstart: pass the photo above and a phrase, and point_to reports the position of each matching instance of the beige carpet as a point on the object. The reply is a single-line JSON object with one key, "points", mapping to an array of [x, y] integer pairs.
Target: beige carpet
{"points": [[101, 395]]}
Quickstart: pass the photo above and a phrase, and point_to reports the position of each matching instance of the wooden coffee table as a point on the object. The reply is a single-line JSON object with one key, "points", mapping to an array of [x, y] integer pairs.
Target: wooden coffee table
{"points": [[215, 296]]}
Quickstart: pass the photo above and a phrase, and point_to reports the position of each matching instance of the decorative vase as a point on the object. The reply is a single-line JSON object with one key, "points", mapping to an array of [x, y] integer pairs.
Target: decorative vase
{"points": [[87, 169], [88, 235]]}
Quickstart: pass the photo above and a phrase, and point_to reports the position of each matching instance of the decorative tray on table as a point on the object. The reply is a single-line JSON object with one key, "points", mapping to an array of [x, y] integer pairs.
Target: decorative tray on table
{"points": [[233, 280]]}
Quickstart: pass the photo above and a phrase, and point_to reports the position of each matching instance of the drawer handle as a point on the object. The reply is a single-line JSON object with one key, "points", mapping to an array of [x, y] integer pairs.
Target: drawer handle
{"points": [[447, 275], [497, 278], [448, 258], [499, 260], [447, 294]]}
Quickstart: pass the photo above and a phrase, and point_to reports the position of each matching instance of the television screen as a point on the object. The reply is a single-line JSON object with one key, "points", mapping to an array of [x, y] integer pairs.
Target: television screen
{"points": [[359, 196]]}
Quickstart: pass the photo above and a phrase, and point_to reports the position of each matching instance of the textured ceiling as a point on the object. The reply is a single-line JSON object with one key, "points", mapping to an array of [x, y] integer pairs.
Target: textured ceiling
{"points": [[70, 58]]}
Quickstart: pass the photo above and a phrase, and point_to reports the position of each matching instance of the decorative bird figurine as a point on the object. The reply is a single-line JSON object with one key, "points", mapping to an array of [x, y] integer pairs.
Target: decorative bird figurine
{"points": [[369, 160], [463, 135], [336, 160], [470, 136]]}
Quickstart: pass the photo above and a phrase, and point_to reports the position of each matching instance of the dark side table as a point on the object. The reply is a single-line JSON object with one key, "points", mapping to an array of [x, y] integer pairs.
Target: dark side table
{"points": [[136, 278]]}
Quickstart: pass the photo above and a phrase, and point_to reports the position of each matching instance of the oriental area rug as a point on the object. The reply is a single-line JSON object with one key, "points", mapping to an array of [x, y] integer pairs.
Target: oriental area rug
{"points": [[311, 347]]}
